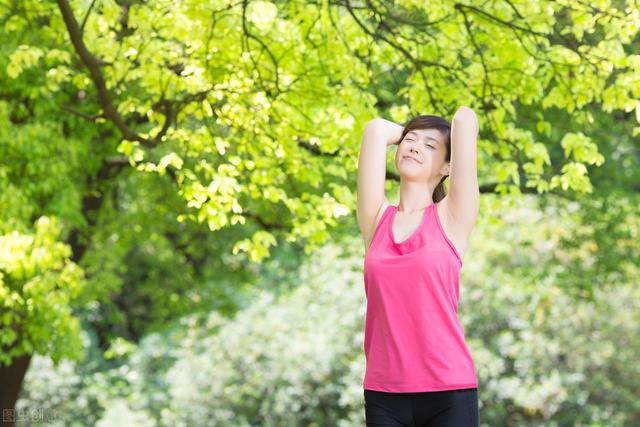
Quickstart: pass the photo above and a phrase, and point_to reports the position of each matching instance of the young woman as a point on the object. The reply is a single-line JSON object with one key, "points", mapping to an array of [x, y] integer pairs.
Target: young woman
{"points": [[419, 371]]}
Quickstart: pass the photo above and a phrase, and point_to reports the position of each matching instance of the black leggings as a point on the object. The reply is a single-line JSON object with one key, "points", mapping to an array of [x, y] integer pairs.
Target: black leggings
{"points": [[454, 408]]}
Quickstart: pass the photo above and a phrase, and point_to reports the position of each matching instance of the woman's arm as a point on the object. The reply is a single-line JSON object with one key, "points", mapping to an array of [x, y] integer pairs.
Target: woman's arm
{"points": [[464, 192], [378, 134]]}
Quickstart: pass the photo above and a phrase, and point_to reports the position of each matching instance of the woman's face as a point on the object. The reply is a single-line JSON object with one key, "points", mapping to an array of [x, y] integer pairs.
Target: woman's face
{"points": [[420, 154]]}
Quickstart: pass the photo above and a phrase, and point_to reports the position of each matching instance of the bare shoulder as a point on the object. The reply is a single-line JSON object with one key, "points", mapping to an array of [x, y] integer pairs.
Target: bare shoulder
{"points": [[457, 231], [367, 235]]}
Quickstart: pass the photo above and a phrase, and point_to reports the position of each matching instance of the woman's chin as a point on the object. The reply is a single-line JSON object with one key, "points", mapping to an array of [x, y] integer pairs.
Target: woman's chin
{"points": [[410, 173]]}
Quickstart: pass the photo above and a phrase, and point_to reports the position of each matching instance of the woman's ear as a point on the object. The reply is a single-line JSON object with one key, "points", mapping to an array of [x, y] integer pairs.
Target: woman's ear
{"points": [[446, 168]]}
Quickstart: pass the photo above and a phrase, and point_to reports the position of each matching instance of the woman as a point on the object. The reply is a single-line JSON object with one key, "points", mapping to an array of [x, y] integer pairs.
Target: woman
{"points": [[419, 371]]}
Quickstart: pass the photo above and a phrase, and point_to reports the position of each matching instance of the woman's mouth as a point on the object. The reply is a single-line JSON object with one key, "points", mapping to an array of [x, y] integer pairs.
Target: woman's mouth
{"points": [[410, 158]]}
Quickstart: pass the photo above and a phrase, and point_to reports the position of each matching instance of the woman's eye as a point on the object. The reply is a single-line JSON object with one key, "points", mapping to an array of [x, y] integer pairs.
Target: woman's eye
{"points": [[428, 145]]}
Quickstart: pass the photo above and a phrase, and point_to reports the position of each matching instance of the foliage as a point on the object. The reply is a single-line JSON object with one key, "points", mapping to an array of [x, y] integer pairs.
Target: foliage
{"points": [[544, 356], [38, 284], [163, 151]]}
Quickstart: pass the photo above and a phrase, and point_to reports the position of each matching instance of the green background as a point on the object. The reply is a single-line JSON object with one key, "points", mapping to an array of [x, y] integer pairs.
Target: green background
{"points": [[178, 241]]}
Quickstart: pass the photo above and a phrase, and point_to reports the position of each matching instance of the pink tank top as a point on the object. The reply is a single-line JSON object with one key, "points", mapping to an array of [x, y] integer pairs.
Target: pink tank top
{"points": [[413, 339]]}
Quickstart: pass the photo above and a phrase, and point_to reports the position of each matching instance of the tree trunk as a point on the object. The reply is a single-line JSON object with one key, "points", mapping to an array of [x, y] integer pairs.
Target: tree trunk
{"points": [[11, 378]]}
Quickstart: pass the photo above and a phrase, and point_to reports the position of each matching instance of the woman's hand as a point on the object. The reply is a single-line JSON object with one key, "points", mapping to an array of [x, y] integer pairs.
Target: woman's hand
{"points": [[390, 131], [466, 114]]}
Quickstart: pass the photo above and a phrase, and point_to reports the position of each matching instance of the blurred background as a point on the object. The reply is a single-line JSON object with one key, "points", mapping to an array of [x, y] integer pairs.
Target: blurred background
{"points": [[178, 241]]}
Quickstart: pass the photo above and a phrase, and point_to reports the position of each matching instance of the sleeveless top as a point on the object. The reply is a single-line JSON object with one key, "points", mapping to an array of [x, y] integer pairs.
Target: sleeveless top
{"points": [[413, 340]]}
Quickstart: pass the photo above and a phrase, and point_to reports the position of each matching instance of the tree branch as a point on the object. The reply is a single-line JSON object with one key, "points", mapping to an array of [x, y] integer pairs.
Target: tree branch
{"points": [[169, 108]]}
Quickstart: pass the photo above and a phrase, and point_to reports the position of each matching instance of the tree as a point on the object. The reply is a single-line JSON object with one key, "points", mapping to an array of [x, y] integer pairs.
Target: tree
{"points": [[254, 110]]}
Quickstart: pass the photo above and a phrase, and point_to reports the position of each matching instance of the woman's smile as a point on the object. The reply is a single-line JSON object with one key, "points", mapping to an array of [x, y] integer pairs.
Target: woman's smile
{"points": [[411, 158]]}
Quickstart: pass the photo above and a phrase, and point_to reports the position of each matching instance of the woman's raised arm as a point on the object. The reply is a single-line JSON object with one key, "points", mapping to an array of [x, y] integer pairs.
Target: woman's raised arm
{"points": [[378, 134]]}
